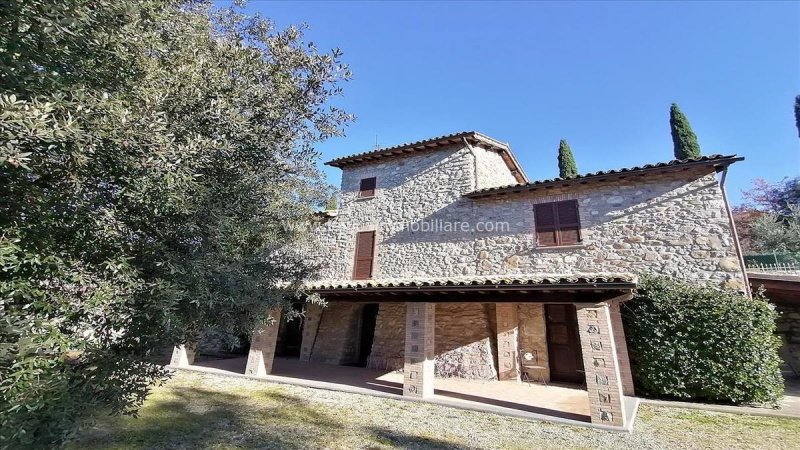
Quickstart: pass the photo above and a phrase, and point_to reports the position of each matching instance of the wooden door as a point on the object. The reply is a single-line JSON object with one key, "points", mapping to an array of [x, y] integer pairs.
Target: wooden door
{"points": [[563, 344]]}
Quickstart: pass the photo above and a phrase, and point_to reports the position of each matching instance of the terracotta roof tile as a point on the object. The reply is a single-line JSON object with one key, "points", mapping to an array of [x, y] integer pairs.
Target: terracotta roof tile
{"points": [[473, 137], [674, 165], [489, 281]]}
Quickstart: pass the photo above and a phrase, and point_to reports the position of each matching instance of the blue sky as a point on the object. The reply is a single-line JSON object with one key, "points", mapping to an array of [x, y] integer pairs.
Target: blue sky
{"points": [[600, 74]]}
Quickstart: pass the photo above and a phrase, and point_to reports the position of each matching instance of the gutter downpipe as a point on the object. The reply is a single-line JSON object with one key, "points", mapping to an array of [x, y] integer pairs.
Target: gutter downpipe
{"points": [[748, 290]]}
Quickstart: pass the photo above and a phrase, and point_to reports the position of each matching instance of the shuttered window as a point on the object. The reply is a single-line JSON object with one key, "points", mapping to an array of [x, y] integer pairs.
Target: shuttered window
{"points": [[365, 255], [557, 223], [367, 187]]}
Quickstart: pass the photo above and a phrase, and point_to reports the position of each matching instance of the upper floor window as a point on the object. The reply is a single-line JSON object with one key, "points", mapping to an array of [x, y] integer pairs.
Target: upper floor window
{"points": [[365, 255], [367, 188], [557, 223]]}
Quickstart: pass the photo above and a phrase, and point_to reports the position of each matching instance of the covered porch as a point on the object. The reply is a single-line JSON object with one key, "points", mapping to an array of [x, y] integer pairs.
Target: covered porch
{"points": [[402, 358], [535, 400]]}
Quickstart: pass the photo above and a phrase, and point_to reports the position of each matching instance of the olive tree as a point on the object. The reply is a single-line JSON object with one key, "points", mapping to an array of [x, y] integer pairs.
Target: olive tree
{"points": [[157, 164]]}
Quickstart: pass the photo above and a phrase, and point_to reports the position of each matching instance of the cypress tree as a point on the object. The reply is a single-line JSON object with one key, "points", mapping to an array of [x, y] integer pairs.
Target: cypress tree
{"points": [[683, 138], [797, 114], [566, 162]]}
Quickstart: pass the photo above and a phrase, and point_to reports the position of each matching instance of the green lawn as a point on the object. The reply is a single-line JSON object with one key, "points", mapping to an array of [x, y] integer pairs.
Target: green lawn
{"points": [[198, 410]]}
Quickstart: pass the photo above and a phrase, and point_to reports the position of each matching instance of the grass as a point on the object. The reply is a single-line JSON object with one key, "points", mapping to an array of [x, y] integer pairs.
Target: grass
{"points": [[196, 410]]}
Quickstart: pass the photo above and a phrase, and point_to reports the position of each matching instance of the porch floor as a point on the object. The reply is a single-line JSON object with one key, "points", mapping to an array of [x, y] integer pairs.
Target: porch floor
{"points": [[561, 401]]}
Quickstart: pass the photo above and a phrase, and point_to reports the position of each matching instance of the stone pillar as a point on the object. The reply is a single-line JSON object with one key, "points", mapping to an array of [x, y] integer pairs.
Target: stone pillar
{"points": [[622, 349], [603, 381], [310, 327], [507, 350], [183, 355], [418, 370], [262, 347]]}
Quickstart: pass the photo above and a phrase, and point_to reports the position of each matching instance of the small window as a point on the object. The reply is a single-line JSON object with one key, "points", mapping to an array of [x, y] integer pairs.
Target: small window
{"points": [[557, 223], [365, 255], [367, 188]]}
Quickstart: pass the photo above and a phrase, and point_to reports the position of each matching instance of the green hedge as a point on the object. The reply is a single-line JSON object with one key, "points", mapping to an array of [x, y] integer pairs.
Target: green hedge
{"points": [[689, 342]]}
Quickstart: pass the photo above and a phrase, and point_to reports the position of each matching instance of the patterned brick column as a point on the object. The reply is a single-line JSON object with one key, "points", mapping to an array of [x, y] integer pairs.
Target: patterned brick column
{"points": [[507, 348], [600, 362], [183, 355], [310, 327], [262, 347], [418, 370], [622, 349]]}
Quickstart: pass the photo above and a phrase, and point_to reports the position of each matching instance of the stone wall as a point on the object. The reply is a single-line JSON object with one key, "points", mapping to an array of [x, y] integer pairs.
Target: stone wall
{"points": [[674, 225], [389, 341], [490, 169], [669, 224], [533, 334], [465, 342], [337, 337], [788, 328]]}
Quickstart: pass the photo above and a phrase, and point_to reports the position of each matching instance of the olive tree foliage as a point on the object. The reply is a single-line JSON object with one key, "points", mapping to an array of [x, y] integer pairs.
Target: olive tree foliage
{"points": [[156, 169], [778, 233], [770, 218]]}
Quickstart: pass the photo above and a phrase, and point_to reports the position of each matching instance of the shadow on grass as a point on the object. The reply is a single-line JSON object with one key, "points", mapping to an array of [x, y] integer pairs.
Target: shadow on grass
{"points": [[399, 439], [190, 417]]}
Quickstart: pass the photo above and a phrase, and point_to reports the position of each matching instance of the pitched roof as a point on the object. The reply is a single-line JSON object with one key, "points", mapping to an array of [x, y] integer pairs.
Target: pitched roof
{"points": [[472, 137], [716, 161], [517, 282]]}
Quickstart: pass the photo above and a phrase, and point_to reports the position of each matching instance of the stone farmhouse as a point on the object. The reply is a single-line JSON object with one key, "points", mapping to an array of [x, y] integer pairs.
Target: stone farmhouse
{"points": [[445, 260]]}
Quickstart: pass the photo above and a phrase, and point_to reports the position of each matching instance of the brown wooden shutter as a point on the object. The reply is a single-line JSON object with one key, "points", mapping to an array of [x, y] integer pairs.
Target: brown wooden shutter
{"points": [[545, 221], [367, 187], [557, 223], [365, 254], [569, 223]]}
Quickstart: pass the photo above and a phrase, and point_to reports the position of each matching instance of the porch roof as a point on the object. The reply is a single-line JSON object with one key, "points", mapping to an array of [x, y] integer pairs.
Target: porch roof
{"points": [[518, 288]]}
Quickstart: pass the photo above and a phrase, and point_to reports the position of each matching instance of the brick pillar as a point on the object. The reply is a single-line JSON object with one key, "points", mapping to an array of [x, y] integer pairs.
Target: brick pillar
{"points": [[622, 349], [533, 335], [262, 347], [183, 355], [310, 327], [507, 350], [418, 370], [600, 362]]}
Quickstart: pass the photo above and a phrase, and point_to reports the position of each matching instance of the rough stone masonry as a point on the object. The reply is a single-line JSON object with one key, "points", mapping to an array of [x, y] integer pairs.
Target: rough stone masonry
{"points": [[672, 224]]}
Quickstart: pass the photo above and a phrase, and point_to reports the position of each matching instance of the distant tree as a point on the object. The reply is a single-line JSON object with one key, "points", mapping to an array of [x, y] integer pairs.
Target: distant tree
{"points": [[566, 161], [332, 203], [769, 221], [778, 233], [157, 164], [683, 138], [773, 198], [744, 217], [797, 113]]}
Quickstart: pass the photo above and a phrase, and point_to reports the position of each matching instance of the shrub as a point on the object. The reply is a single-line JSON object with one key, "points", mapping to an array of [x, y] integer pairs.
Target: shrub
{"points": [[699, 343]]}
